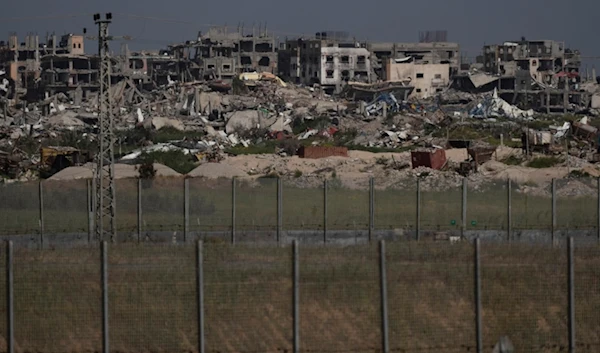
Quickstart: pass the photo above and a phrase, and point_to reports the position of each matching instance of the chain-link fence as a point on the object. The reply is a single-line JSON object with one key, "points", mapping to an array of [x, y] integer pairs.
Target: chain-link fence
{"points": [[56, 300], [344, 211], [431, 297], [400, 296]]}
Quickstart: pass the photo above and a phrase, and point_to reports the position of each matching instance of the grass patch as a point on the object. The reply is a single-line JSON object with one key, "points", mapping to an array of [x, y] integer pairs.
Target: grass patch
{"points": [[512, 160], [380, 149], [579, 174], [544, 162], [176, 160]]}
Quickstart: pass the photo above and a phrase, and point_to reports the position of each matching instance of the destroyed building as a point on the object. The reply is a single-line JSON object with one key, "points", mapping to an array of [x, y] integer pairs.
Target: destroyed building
{"points": [[62, 73], [22, 60], [427, 79], [420, 53], [541, 74], [222, 54], [156, 68], [330, 59]]}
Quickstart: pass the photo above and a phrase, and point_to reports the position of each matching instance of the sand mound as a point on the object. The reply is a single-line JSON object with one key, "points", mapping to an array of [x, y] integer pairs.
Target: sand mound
{"points": [[216, 170], [122, 171]]}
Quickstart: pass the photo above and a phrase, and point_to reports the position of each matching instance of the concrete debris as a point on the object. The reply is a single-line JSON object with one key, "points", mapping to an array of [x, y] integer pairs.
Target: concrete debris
{"points": [[215, 113], [160, 122], [495, 106]]}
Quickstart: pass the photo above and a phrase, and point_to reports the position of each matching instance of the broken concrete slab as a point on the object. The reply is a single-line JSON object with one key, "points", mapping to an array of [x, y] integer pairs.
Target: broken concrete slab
{"points": [[67, 119], [160, 122], [242, 120]]}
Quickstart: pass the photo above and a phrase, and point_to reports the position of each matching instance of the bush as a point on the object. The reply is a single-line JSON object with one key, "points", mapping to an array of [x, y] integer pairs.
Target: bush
{"points": [[512, 160], [579, 174], [544, 162], [297, 173], [176, 160]]}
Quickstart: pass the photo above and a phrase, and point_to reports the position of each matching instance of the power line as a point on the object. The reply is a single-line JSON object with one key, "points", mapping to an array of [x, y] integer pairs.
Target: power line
{"points": [[31, 18]]}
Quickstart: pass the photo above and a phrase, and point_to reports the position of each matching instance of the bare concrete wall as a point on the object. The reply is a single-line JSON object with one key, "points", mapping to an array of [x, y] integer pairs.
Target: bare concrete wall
{"points": [[426, 78]]}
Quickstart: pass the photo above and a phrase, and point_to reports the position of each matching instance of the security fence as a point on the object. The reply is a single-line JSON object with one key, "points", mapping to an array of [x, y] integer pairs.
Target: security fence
{"points": [[312, 210], [385, 297]]}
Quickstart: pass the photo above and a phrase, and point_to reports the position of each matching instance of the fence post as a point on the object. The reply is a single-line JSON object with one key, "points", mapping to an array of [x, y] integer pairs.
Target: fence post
{"points": [[279, 210], [384, 298], [371, 207], [104, 277], [325, 211], [464, 208], [41, 216], [598, 216], [10, 309], [478, 295], [296, 295], [94, 205], [186, 209], [233, 211], [90, 209], [509, 210], [139, 210], [553, 212], [200, 292], [571, 250], [418, 209]]}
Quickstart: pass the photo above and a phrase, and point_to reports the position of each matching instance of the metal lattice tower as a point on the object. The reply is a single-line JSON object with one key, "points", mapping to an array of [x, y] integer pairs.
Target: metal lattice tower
{"points": [[105, 224]]}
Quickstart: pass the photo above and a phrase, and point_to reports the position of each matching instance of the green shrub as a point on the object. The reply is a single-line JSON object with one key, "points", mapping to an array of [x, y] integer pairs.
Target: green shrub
{"points": [[544, 162]]}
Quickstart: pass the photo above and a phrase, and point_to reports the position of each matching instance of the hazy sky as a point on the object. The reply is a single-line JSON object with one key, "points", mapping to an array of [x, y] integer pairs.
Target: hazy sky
{"points": [[469, 22]]}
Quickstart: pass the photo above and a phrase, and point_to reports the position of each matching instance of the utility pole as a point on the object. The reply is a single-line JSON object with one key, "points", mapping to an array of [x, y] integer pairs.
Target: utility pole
{"points": [[106, 228]]}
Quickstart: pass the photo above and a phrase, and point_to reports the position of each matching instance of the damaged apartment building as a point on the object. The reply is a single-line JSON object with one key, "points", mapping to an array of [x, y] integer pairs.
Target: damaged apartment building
{"points": [[52, 66], [541, 74], [331, 59], [432, 48], [223, 54]]}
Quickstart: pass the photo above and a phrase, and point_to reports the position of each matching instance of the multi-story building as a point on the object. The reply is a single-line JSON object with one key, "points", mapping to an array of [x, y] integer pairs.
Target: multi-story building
{"points": [[524, 63], [427, 79], [419, 53], [223, 54], [539, 74], [328, 60], [21, 60]]}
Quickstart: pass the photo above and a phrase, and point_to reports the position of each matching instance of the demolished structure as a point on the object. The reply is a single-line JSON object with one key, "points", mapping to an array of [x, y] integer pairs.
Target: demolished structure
{"points": [[542, 75], [219, 95], [330, 60]]}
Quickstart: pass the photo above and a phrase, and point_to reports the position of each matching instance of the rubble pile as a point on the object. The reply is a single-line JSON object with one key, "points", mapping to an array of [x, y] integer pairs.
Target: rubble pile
{"points": [[217, 117]]}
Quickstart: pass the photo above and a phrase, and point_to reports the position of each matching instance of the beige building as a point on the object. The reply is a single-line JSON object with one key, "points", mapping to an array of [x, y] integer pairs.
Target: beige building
{"points": [[427, 79]]}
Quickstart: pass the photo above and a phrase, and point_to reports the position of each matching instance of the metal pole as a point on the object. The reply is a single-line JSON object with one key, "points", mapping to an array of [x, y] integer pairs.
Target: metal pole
{"points": [[418, 209], [553, 211], [104, 256], [41, 199], [139, 211], [598, 216], [571, 250], [233, 211], [200, 291], [279, 210], [296, 296], [509, 210], [384, 298], [90, 210], [10, 300], [325, 211], [464, 208], [371, 207], [186, 209], [478, 295]]}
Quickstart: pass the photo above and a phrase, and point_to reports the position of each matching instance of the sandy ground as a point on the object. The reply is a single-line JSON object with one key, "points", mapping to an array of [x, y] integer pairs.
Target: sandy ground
{"points": [[122, 171], [390, 170]]}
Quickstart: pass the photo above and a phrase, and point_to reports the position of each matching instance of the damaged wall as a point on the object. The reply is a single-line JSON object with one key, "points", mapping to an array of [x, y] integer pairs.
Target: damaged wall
{"points": [[428, 79]]}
